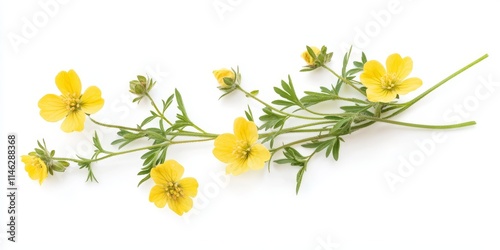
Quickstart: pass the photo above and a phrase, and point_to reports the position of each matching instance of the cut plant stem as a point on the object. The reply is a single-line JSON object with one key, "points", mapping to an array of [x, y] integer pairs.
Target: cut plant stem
{"points": [[416, 99]]}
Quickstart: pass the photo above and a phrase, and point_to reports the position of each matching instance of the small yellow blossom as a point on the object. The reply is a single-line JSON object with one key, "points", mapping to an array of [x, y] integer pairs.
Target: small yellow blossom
{"points": [[36, 168], [384, 86], [307, 57], [171, 189], [223, 73], [71, 104], [240, 150]]}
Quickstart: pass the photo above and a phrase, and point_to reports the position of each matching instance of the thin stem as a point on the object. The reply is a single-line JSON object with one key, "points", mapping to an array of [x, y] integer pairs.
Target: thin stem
{"points": [[275, 109], [301, 141], [158, 110], [343, 79], [416, 99], [193, 134], [414, 125], [191, 141], [292, 129], [114, 126], [198, 128]]}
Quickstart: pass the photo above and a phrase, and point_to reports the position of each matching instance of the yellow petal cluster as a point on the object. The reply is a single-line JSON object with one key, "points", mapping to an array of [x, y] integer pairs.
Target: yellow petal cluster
{"points": [[36, 167], [71, 105], [223, 73], [240, 150], [171, 188], [307, 57], [384, 85]]}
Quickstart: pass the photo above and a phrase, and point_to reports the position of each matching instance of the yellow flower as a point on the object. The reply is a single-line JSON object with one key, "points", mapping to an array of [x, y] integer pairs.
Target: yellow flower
{"points": [[71, 104], [36, 168], [307, 57], [384, 86], [223, 73], [241, 150], [171, 189]]}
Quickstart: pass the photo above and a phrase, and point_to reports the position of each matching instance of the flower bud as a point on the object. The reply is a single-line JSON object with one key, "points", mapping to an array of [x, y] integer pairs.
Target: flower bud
{"points": [[225, 77], [141, 87], [310, 59], [315, 57]]}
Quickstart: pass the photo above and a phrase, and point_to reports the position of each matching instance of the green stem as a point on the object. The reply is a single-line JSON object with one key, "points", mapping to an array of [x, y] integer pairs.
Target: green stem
{"points": [[414, 125], [111, 154], [416, 99], [273, 108], [114, 126], [317, 137], [348, 82], [294, 129], [158, 110]]}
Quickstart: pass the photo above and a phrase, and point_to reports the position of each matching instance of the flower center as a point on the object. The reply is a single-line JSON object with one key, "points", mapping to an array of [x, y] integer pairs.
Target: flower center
{"points": [[73, 102], [173, 190], [242, 149], [389, 81]]}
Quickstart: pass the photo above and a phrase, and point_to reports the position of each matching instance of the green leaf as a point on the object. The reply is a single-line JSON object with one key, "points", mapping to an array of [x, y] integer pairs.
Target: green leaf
{"points": [[249, 114], [167, 103], [180, 103], [254, 92], [342, 127], [147, 120], [311, 52], [144, 179], [271, 120], [300, 174], [287, 92]]}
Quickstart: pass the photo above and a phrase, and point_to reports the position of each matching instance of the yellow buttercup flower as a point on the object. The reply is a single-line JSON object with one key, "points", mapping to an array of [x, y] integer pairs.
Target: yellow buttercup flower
{"points": [[223, 73], [36, 168], [71, 104], [240, 150], [171, 189], [307, 57], [384, 86]]}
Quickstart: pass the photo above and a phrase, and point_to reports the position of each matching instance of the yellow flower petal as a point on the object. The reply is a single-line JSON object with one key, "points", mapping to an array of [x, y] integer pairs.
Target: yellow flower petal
{"points": [[224, 147], [158, 195], [245, 130], [181, 205], [169, 171], [409, 85], [380, 95], [69, 83], [73, 122], [307, 57], [52, 108], [36, 168], [373, 71], [189, 186], [91, 100], [237, 167], [401, 67], [221, 74], [258, 157]]}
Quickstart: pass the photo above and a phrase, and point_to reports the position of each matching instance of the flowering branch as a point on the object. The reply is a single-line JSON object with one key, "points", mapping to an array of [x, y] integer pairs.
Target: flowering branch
{"points": [[249, 146]]}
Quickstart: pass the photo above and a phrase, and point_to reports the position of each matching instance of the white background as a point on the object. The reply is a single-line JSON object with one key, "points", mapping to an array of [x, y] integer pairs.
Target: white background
{"points": [[449, 201]]}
